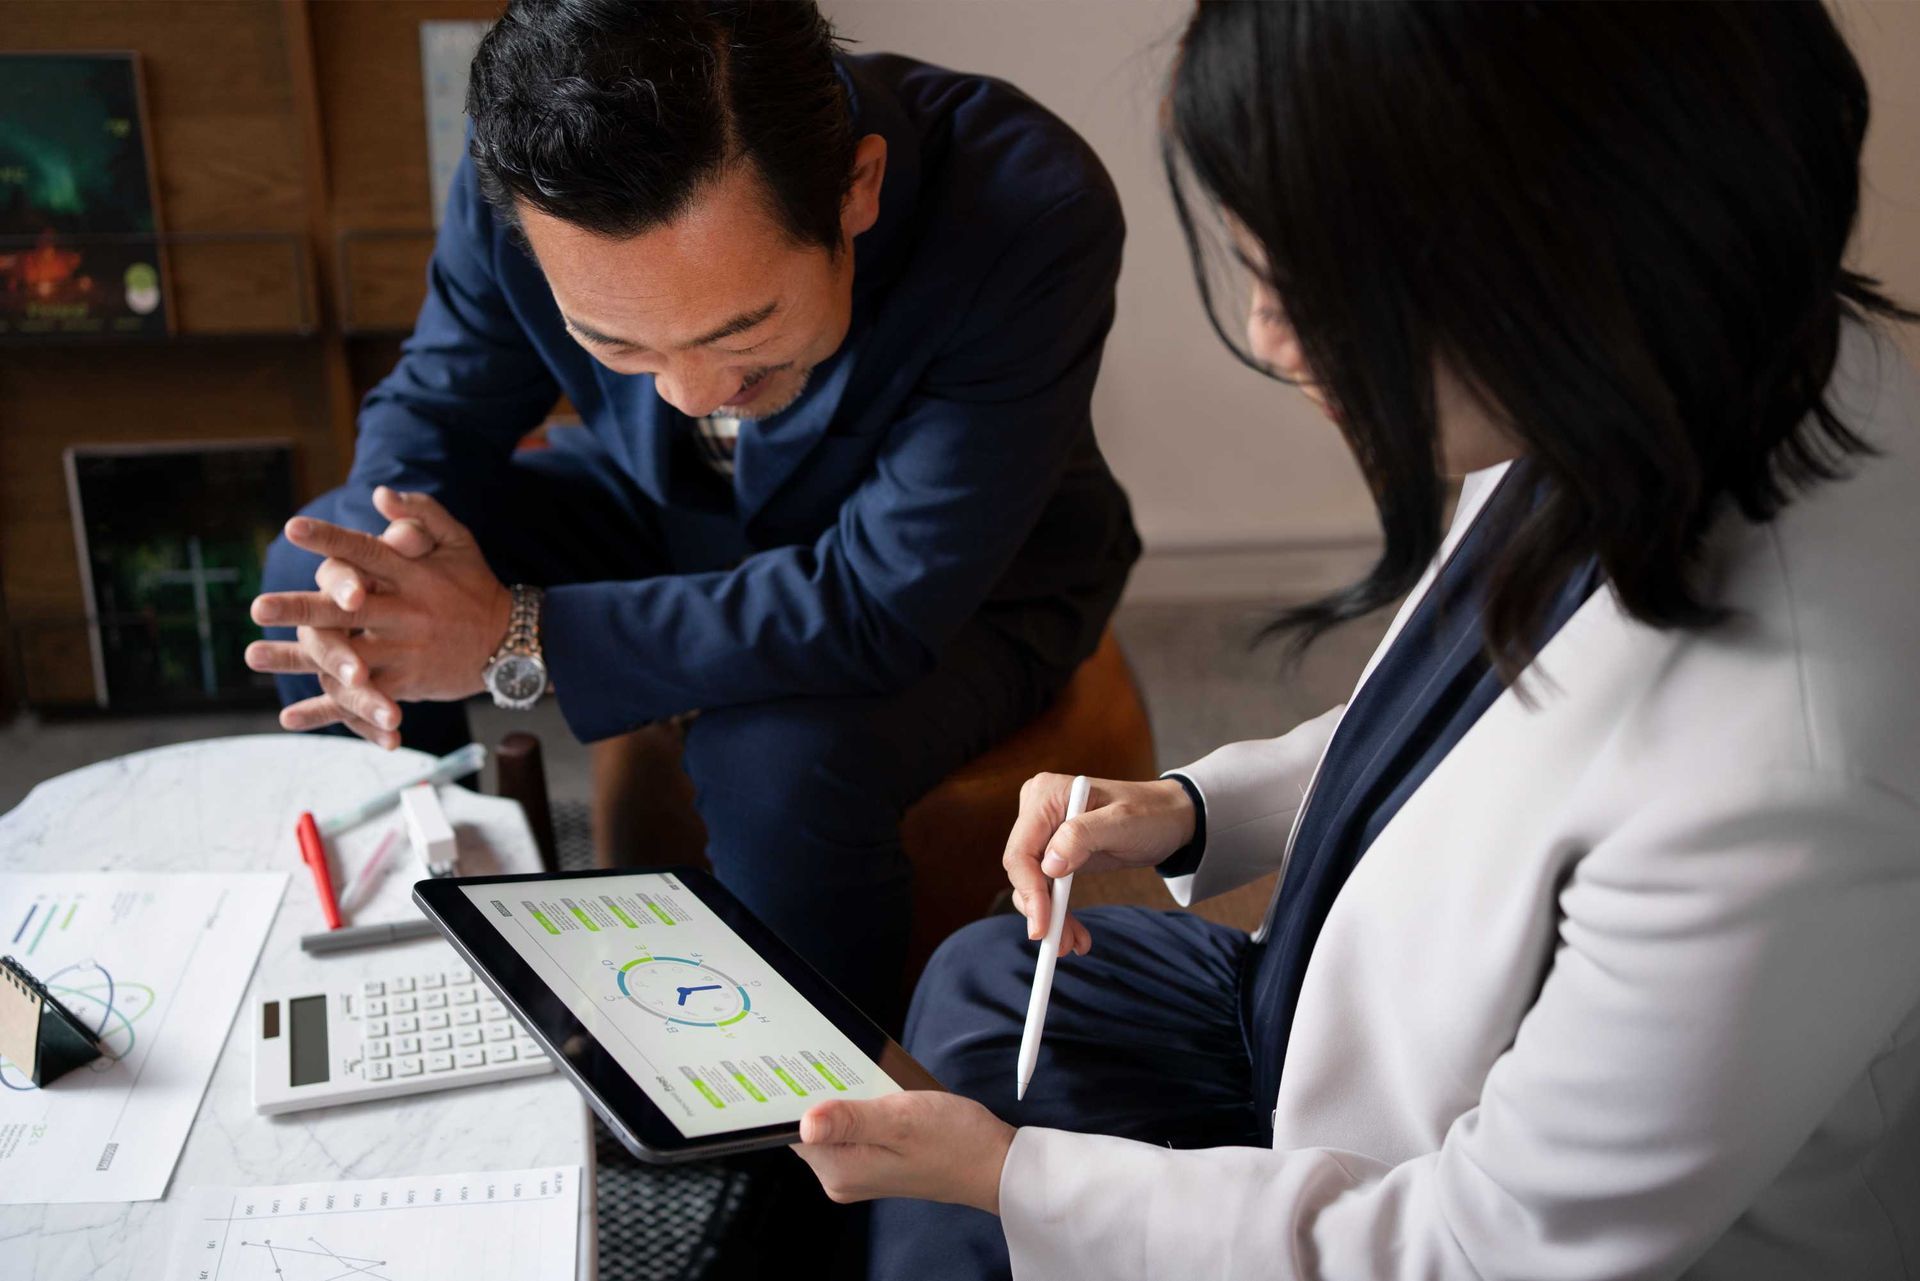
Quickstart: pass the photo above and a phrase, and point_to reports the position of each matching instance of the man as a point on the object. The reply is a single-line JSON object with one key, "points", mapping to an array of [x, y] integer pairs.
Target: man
{"points": [[831, 325]]}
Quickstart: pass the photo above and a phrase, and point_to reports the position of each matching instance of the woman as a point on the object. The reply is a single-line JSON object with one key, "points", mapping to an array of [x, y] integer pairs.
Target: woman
{"points": [[1597, 948]]}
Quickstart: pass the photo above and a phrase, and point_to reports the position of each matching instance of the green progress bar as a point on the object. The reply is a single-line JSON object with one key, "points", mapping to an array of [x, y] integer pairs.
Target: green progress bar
{"points": [[707, 1093], [69, 917], [549, 926], [586, 920], [735, 1019], [821, 1068], [45, 921], [753, 1091], [791, 1083], [660, 912], [620, 914]]}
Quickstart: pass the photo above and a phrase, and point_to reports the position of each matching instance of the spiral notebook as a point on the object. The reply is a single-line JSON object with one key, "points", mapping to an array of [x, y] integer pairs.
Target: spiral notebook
{"points": [[38, 1035]]}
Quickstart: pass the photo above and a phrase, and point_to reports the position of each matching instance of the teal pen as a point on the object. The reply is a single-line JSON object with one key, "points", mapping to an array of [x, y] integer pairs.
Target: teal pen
{"points": [[467, 760]]}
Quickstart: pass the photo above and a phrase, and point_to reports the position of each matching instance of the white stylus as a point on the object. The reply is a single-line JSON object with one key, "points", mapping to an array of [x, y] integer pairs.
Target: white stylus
{"points": [[1049, 953]]}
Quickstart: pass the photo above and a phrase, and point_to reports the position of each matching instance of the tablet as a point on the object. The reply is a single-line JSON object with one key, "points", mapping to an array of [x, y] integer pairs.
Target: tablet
{"points": [[690, 1028]]}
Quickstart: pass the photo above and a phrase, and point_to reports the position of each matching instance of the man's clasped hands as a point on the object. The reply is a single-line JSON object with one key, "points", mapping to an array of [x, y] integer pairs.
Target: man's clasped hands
{"points": [[413, 614]]}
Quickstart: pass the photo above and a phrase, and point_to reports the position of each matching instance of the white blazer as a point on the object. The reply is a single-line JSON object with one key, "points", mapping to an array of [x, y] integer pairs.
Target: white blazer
{"points": [[1630, 987]]}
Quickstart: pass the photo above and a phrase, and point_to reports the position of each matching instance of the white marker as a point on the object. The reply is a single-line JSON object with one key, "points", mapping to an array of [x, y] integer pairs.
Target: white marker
{"points": [[1049, 953], [429, 831]]}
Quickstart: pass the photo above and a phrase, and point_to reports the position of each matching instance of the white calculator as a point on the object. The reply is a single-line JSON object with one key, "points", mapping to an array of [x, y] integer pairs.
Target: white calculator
{"points": [[398, 1035]]}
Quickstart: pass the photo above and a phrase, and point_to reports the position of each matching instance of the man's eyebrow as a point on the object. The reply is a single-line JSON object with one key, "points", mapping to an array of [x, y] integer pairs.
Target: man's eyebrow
{"points": [[738, 325], [595, 336]]}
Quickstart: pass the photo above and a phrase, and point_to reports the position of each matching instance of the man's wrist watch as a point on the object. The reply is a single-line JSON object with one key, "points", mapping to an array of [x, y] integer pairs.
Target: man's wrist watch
{"points": [[516, 675]]}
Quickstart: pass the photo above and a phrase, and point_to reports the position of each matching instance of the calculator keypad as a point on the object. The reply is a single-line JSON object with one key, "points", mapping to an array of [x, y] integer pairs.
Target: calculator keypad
{"points": [[436, 1025]]}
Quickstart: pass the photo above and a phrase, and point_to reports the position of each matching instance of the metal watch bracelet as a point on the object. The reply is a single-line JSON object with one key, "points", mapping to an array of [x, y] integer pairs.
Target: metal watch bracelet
{"points": [[523, 621]]}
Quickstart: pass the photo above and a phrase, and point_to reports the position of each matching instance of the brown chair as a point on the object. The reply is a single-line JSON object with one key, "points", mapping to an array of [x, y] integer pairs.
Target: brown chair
{"points": [[643, 801], [955, 834]]}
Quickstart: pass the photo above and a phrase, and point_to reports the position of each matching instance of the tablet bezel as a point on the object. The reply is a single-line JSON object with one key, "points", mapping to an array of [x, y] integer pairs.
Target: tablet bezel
{"points": [[634, 1118]]}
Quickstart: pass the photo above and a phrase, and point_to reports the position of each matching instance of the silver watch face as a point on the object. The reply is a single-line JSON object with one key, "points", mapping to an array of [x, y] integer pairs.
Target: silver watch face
{"points": [[517, 679]]}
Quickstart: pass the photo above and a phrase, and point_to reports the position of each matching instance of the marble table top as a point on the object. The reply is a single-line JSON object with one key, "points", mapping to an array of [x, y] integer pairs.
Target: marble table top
{"points": [[230, 805]]}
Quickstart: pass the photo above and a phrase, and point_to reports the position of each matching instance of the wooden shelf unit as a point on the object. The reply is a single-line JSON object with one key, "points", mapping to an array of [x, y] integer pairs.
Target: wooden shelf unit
{"points": [[289, 148]]}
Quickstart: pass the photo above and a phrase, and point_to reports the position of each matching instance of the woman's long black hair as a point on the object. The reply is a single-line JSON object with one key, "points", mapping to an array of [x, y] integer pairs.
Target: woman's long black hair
{"points": [[1621, 226]]}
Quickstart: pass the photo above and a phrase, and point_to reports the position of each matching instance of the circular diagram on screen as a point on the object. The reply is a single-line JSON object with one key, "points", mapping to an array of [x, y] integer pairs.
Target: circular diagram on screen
{"points": [[683, 991]]}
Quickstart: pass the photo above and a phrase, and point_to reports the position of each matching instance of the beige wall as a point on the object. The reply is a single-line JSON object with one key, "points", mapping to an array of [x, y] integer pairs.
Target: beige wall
{"points": [[1885, 35], [1214, 455]]}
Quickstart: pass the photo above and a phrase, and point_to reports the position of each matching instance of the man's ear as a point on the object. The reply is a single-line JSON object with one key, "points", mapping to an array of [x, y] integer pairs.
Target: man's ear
{"points": [[861, 208]]}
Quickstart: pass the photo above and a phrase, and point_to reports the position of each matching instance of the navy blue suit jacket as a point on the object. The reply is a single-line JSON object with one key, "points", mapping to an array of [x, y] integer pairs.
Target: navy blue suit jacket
{"points": [[941, 461]]}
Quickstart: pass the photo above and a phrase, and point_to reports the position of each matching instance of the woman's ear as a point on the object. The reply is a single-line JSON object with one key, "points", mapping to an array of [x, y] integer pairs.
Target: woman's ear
{"points": [[1271, 337], [861, 208]]}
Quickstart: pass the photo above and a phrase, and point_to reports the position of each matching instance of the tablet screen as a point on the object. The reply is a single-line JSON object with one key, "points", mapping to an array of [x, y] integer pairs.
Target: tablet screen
{"points": [[713, 1035]]}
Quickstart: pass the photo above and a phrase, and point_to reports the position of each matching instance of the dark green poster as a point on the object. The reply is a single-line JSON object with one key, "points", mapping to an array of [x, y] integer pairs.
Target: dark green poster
{"points": [[79, 254], [171, 543]]}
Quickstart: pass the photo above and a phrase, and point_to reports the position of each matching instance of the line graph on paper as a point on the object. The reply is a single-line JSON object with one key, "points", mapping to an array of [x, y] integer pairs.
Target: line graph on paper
{"points": [[514, 1225], [311, 1258]]}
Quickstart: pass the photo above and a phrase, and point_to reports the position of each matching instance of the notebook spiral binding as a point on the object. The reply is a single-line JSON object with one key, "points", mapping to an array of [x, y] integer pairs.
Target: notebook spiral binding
{"points": [[54, 1045]]}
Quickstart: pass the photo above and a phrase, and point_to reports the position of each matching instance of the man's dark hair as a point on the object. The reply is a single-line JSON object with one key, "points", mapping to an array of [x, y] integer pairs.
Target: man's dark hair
{"points": [[610, 114], [1620, 226]]}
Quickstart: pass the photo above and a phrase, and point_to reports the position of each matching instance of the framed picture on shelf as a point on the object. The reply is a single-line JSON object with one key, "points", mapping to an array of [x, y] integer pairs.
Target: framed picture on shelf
{"points": [[447, 47], [170, 540], [80, 247]]}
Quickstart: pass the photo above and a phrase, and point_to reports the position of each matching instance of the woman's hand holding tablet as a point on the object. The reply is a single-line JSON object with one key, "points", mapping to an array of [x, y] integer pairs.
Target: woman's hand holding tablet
{"points": [[935, 1146], [690, 1028]]}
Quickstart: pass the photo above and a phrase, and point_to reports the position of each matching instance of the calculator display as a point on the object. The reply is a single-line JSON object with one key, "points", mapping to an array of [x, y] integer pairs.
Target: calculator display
{"points": [[307, 1025]]}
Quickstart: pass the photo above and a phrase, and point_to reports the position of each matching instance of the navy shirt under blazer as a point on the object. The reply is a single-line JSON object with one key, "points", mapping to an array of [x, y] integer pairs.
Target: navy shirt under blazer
{"points": [[1423, 696], [942, 460]]}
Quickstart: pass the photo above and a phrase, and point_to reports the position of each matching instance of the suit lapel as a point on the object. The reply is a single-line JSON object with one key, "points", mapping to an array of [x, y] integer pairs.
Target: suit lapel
{"points": [[649, 449], [772, 449], [1474, 493]]}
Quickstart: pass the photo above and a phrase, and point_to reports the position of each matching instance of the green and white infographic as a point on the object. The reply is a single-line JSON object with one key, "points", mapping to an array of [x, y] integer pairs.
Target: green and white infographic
{"points": [[713, 1034]]}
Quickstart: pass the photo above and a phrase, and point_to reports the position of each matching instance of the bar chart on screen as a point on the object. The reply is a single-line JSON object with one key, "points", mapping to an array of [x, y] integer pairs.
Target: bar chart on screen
{"points": [[507, 1225], [714, 1035]]}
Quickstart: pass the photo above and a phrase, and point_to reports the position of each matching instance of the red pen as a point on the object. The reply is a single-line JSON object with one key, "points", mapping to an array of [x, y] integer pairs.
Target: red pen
{"points": [[313, 852]]}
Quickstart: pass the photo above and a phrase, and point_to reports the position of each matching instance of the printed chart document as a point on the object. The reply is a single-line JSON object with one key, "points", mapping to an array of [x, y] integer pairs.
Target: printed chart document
{"points": [[155, 964], [717, 1039], [510, 1225]]}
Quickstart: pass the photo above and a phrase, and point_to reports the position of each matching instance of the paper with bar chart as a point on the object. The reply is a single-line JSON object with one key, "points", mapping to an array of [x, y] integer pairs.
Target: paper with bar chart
{"points": [[155, 965], [714, 1035], [507, 1225]]}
